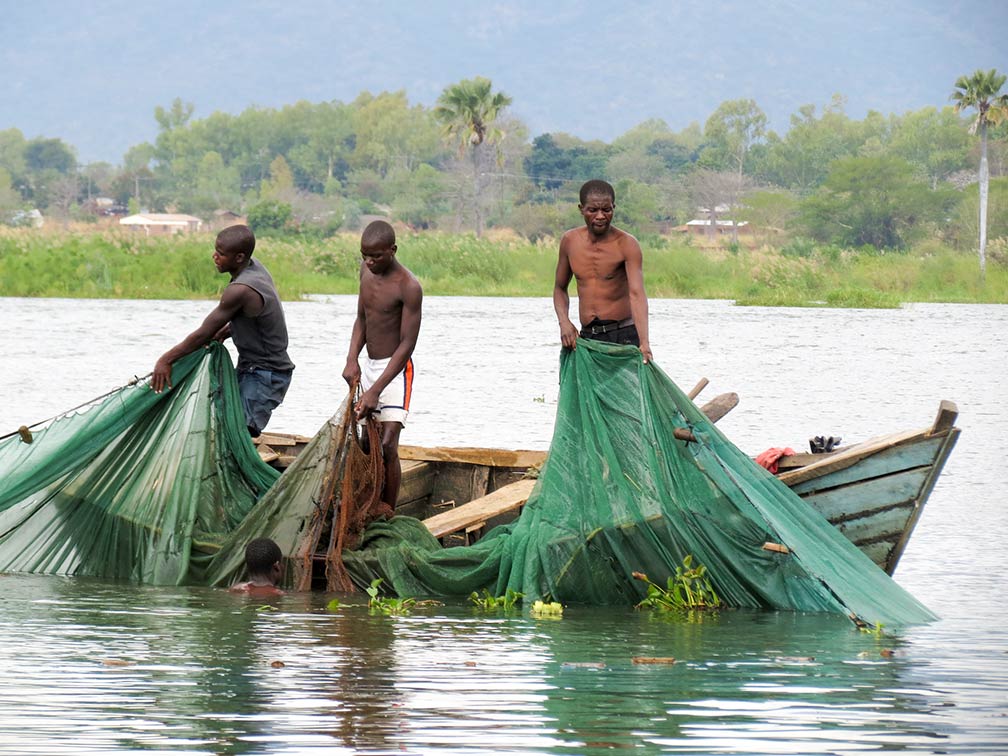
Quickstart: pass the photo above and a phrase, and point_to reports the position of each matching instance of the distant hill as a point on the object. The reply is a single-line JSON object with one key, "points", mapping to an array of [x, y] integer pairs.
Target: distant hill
{"points": [[92, 74]]}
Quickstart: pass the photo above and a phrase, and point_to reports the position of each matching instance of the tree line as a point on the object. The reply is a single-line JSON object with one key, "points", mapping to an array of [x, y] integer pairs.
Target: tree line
{"points": [[467, 164]]}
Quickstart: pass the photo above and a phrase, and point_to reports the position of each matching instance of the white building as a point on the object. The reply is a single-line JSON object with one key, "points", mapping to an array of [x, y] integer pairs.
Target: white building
{"points": [[162, 224]]}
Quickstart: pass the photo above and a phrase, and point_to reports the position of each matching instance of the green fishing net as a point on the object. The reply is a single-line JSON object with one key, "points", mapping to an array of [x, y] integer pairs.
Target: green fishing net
{"points": [[136, 486], [618, 494]]}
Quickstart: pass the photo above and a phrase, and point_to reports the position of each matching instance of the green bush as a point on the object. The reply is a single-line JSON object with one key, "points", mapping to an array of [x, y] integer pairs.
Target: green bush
{"points": [[269, 215]]}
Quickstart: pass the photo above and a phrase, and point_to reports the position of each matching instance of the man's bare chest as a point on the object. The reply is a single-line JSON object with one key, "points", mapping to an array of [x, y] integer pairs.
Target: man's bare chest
{"points": [[598, 263]]}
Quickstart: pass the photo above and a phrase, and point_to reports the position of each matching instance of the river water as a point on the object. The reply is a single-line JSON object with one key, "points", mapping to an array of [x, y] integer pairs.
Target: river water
{"points": [[93, 667]]}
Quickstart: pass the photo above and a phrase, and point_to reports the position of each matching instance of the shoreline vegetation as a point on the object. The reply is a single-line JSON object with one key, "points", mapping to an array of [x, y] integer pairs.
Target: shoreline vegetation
{"points": [[112, 264]]}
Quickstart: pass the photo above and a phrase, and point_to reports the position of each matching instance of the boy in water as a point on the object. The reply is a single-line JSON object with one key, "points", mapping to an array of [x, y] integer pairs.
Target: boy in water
{"points": [[388, 323], [607, 264], [264, 568]]}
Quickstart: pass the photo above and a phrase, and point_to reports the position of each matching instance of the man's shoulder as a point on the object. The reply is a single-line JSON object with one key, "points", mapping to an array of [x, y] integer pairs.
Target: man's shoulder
{"points": [[408, 279], [625, 237], [574, 236]]}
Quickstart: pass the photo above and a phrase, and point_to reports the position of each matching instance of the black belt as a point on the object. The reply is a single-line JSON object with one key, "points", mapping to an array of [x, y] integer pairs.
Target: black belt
{"points": [[607, 327]]}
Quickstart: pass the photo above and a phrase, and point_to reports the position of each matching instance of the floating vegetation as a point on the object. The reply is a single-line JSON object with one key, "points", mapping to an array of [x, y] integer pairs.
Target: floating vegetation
{"points": [[547, 609], [489, 603], [385, 604], [689, 589]]}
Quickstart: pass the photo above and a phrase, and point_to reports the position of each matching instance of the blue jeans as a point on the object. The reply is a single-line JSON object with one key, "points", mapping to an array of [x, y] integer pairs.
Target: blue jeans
{"points": [[261, 393]]}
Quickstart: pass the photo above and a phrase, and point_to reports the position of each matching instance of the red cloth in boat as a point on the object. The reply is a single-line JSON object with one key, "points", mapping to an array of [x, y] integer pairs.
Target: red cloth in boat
{"points": [[771, 457]]}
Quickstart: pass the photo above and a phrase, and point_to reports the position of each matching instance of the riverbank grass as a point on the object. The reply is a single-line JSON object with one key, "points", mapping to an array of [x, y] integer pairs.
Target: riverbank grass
{"points": [[114, 264]]}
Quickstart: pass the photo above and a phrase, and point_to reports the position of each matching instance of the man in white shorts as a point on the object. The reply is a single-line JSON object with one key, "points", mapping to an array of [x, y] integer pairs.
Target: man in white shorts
{"points": [[388, 324], [394, 400]]}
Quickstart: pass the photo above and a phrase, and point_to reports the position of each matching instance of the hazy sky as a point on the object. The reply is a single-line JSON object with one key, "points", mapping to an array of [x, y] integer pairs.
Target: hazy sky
{"points": [[92, 73]]}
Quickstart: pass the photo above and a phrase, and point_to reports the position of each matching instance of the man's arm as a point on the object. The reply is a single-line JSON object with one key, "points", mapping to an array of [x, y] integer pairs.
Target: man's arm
{"points": [[638, 298], [231, 303], [409, 332], [351, 372], [561, 297]]}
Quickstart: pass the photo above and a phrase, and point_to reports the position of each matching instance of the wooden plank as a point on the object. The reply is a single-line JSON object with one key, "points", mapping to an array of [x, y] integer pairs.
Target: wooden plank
{"points": [[895, 459], [886, 525], [880, 553], [523, 458], [849, 456], [951, 436], [267, 454], [280, 439], [695, 391], [945, 420], [841, 503], [415, 487], [720, 406], [505, 499]]}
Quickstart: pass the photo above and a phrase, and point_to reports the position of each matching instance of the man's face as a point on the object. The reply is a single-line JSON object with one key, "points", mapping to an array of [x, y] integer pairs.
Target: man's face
{"points": [[377, 258], [226, 260], [597, 212]]}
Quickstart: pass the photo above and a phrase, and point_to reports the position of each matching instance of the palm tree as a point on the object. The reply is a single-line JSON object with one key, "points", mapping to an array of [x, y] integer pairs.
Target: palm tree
{"points": [[468, 111], [981, 91]]}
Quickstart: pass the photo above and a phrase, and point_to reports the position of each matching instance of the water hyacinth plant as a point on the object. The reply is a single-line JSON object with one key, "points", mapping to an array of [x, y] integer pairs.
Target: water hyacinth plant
{"points": [[385, 604], [689, 589], [490, 603]]}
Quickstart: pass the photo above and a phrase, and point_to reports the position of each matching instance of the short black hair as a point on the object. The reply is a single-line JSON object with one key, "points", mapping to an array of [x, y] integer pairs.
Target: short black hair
{"points": [[237, 239], [261, 554], [378, 234], [597, 186]]}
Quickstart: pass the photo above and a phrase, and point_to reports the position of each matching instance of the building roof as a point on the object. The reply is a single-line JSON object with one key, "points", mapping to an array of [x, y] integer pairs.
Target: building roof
{"points": [[702, 222], [159, 219]]}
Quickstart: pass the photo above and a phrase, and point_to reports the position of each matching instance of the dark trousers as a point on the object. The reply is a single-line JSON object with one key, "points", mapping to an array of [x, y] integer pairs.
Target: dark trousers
{"points": [[612, 331]]}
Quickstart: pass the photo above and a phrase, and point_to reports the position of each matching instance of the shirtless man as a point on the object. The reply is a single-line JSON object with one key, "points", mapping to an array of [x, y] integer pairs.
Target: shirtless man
{"points": [[250, 312], [263, 565], [388, 323], [606, 262]]}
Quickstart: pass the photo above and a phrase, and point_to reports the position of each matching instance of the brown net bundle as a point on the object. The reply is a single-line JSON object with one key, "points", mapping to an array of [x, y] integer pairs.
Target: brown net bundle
{"points": [[359, 501], [349, 500]]}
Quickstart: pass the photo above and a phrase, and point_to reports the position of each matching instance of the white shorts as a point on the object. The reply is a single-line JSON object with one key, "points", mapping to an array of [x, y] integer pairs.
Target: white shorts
{"points": [[394, 401]]}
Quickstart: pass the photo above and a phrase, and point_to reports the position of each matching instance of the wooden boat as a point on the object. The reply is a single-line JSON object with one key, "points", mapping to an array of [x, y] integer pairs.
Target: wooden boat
{"points": [[874, 492]]}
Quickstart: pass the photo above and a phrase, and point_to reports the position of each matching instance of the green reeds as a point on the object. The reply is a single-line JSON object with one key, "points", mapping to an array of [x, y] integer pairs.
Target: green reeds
{"points": [[113, 263]]}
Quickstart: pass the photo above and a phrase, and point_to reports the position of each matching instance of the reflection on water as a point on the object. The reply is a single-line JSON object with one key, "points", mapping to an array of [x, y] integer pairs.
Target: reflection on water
{"points": [[92, 667]]}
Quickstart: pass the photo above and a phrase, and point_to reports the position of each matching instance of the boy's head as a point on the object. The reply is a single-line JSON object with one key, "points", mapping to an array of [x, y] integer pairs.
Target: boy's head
{"points": [[233, 249], [378, 235], [235, 239], [378, 247], [261, 556]]}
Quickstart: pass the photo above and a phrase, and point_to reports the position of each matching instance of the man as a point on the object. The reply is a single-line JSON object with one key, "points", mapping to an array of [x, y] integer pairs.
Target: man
{"points": [[607, 264], [388, 323], [249, 312], [263, 564]]}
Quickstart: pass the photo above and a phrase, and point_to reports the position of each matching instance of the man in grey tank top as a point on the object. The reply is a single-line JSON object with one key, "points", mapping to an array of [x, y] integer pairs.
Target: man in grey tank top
{"points": [[249, 312]]}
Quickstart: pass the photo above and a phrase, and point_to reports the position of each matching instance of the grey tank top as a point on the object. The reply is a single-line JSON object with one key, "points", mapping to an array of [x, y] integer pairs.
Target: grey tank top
{"points": [[261, 341]]}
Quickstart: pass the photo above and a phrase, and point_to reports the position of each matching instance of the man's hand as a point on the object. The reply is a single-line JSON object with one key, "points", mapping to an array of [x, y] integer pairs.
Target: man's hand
{"points": [[645, 350], [367, 404], [568, 335], [351, 373], [161, 376]]}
